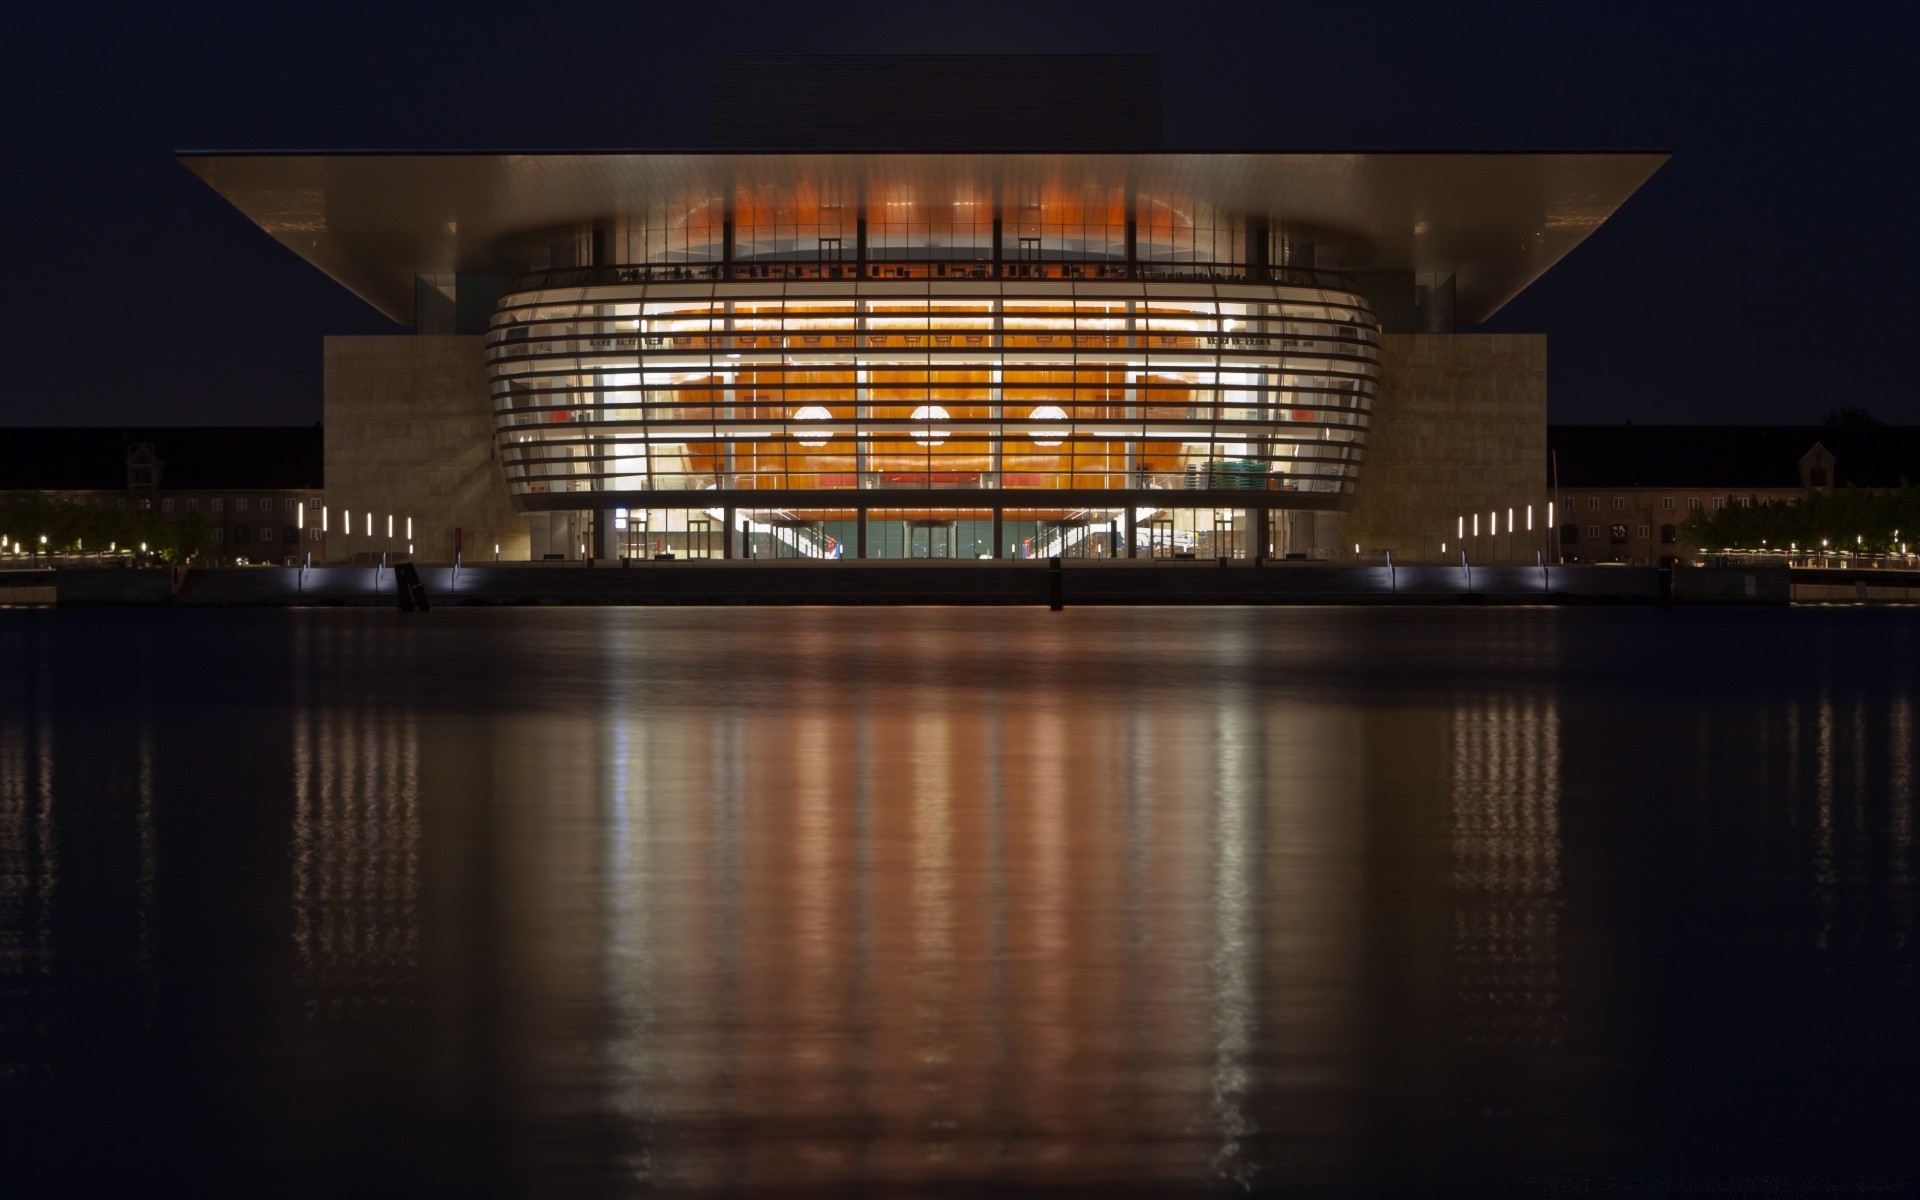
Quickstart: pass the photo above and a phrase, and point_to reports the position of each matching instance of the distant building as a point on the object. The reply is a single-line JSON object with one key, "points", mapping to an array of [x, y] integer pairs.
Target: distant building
{"points": [[1623, 493], [935, 306], [260, 488]]}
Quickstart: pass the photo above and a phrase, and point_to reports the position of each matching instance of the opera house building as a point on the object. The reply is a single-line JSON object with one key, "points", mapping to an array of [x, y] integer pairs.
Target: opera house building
{"points": [[785, 352]]}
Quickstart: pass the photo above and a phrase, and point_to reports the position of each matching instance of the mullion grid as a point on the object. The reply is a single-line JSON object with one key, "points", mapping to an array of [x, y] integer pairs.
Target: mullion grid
{"points": [[728, 391]]}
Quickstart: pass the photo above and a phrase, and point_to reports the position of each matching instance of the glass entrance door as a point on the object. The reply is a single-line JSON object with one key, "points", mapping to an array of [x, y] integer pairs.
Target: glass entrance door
{"points": [[1160, 538], [930, 539], [650, 534]]}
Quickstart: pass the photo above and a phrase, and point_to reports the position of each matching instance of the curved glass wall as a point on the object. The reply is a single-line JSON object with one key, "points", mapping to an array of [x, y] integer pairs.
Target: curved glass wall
{"points": [[904, 216], [612, 391]]}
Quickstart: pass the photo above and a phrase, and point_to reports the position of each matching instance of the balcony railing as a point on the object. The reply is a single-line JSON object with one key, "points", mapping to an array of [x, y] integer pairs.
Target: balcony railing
{"points": [[1225, 475], [904, 269]]}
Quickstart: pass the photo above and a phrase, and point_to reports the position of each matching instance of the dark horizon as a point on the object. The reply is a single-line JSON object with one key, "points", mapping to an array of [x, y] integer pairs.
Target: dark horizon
{"points": [[1769, 229]]}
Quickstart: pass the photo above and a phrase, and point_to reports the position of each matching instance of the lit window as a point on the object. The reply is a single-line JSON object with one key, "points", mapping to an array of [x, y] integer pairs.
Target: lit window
{"points": [[146, 504]]}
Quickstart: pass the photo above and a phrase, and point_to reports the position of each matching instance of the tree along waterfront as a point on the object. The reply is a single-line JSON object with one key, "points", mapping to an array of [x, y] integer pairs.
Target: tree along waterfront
{"points": [[1853, 519], [37, 525]]}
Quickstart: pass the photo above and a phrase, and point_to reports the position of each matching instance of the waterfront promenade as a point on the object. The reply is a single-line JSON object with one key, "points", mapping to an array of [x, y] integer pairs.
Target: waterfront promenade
{"points": [[1071, 582]]}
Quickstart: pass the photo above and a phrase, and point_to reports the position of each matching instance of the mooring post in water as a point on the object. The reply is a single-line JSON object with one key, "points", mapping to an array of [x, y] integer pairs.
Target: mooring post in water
{"points": [[407, 588], [1546, 588], [1393, 580], [1055, 592], [1466, 570]]}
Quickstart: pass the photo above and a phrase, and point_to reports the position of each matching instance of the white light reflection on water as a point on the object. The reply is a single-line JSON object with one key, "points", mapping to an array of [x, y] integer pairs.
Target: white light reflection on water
{"points": [[356, 846], [1236, 846], [1506, 870], [28, 878], [631, 941], [1823, 785], [1900, 890], [149, 871]]}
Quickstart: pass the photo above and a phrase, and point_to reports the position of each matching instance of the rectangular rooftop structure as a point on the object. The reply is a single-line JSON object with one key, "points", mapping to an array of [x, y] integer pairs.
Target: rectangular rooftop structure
{"points": [[375, 222]]}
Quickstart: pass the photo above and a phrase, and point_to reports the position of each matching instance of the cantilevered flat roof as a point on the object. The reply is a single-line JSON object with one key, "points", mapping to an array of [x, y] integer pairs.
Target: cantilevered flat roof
{"points": [[373, 221]]}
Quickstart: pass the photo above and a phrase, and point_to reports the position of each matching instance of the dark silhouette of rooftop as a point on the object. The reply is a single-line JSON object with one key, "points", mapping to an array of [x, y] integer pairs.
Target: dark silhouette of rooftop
{"points": [[192, 457], [1731, 456]]}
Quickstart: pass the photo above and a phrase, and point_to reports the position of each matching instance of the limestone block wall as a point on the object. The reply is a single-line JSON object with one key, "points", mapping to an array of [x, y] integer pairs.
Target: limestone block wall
{"points": [[1459, 428], [408, 432]]}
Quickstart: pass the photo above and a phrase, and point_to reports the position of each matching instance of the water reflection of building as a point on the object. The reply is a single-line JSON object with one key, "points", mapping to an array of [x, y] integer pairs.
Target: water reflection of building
{"points": [[29, 875], [356, 856], [930, 933], [1506, 870]]}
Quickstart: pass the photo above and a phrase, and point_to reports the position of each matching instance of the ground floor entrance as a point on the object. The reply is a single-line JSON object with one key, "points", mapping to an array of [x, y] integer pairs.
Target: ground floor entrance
{"points": [[1171, 532]]}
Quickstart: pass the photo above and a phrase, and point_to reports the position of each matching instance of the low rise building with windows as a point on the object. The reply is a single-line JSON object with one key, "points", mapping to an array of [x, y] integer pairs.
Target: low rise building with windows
{"points": [[1624, 493], [259, 489]]}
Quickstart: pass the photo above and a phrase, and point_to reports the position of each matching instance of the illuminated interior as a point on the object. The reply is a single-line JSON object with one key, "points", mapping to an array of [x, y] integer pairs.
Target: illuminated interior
{"points": [[818, 386]]}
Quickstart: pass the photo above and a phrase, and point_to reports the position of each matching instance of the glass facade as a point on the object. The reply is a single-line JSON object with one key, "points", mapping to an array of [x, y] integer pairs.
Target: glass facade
{"points": [[817, 386], [1081, 372], [930, 533]]}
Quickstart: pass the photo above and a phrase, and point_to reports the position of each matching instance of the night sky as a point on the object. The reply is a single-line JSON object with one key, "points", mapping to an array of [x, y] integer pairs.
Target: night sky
{"points": [[1766, 274]]}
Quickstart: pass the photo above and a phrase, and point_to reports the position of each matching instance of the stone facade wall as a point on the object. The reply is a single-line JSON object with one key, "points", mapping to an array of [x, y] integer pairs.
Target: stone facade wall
{"points": [[409, 432], [1459, 428]]}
